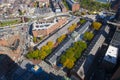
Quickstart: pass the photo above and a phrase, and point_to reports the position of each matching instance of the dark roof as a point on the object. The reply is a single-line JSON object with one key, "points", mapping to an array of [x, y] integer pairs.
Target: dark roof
{"points": [[116, 38], [6, 65], [87, 58]]}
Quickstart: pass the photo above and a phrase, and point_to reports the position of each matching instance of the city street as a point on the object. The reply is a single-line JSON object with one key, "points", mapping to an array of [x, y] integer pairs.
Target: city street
{"points": [[50, 69]]}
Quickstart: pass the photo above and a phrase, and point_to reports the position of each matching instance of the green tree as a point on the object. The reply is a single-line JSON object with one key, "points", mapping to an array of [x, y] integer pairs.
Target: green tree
{"points": [[72, 27], [82, 21], [68, 63], [88, 36], [50, 44], [83, 45], [33, 54], [29, 55], [65, 3], [69, 53], [44, 48], [96, 6], [96, 25], [63, 59], [72, 54], [42, 55], [78, 53], [61, 38], [34, 39]]}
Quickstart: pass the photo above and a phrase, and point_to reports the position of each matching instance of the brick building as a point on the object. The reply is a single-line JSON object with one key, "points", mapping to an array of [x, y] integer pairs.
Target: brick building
{"points": [[43, 28], [74, 6]]}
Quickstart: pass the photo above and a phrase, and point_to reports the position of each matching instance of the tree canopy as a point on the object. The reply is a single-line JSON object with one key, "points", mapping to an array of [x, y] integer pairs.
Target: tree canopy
{"points": [[65, 3], [82, 21], [88, 36], [42, 53], [37, 39], [34, 39], [72, 54], [96, 25], [72, 27], [93, 5], [61, 38]]}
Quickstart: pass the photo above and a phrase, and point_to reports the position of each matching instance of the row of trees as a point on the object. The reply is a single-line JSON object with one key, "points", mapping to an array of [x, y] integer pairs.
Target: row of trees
{"points": [[72, 27], [72, 54], [7, 23], [87, 36], [42, 53], [61, 38]]}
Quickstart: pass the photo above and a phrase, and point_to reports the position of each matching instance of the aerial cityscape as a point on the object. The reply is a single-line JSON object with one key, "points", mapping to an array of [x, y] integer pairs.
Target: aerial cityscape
{"points": [[59, 39]]}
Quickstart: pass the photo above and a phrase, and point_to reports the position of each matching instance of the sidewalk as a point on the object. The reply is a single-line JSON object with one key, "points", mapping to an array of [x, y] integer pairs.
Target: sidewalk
{"points": [[46, 67]]}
